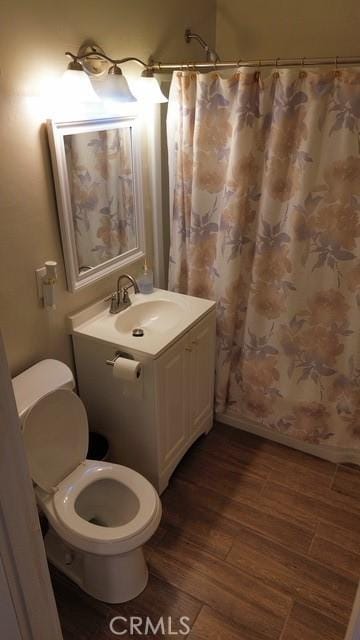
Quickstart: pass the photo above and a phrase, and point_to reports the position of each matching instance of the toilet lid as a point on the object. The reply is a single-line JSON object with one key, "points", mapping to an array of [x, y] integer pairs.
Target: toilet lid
{"points": [[56, 437]]}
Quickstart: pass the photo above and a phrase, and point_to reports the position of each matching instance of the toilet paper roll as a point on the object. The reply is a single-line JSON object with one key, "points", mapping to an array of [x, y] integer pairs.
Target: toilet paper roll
{"points": [[129, 372]]}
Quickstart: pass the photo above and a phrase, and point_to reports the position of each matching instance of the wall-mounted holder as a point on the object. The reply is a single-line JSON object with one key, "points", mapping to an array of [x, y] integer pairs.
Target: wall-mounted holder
{"points": [[119, 354], [46, 278]]}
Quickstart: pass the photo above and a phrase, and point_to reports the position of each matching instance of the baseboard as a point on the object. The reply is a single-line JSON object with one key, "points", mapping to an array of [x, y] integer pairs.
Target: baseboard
{"points": [[333, 454]]}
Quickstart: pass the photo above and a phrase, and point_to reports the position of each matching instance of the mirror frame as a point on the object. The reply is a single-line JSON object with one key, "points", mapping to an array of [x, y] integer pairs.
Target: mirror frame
{"points": [[56, 131]]}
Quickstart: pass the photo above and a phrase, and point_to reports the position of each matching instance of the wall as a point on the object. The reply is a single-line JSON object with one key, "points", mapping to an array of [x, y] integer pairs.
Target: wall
{"points": [[33, 38], [286, 28]]}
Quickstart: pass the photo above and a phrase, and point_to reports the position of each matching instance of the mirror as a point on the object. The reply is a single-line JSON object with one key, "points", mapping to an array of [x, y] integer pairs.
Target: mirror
{"points": [[97, 171]]}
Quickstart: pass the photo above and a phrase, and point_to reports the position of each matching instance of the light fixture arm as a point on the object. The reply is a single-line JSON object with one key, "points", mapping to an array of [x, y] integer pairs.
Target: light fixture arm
{"points": [[97, 55]]}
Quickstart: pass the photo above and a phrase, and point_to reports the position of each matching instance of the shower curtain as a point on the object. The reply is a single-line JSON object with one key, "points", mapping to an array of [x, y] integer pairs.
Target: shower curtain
{"points": [[265, 219]]}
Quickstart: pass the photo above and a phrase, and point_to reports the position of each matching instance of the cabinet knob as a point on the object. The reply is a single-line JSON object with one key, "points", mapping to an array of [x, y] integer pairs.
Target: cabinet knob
{"points": [[188, 348], [195, 342]]}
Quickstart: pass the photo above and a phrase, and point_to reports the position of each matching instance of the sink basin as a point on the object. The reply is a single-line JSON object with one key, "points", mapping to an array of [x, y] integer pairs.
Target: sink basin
{"points": [[157, 316]]}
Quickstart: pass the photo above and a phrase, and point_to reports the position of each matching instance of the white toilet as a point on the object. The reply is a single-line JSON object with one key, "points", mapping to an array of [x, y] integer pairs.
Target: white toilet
{"points": [[100, 514]]}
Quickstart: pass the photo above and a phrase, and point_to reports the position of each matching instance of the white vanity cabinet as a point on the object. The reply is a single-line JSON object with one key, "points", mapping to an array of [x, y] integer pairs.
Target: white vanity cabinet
{"points": [[151, 432]]}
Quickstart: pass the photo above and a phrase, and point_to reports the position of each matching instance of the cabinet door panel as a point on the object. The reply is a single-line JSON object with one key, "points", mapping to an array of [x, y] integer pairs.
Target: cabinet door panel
{"points": [[172, 402], [202, 340]]}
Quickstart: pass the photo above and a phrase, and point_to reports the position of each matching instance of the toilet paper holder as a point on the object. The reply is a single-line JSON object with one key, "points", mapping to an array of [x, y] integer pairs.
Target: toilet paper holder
{"points": [[118, 354]]}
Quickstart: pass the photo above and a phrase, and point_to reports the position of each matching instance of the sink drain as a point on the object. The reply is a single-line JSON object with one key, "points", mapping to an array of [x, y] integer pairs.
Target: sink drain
{"points": [[138, 333]]}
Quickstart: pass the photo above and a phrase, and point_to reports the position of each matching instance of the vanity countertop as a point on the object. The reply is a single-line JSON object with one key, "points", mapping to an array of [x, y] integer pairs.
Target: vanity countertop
{"points": [[163, 315]]}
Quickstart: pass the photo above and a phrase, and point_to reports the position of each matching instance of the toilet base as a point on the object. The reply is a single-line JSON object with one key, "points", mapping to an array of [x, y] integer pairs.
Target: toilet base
{"points": [[113, 579]]}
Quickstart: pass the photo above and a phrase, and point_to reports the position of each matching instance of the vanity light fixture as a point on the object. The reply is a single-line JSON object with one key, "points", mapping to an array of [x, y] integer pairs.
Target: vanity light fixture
{"points": [[94, 63]]}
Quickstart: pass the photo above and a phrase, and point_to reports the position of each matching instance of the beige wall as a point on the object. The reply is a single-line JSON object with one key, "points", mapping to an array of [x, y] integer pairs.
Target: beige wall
{"points": [[33, 38], [286, 28]]}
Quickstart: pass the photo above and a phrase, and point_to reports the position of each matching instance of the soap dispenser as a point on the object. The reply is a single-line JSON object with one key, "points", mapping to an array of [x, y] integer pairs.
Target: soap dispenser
{"points": [[146, 280]]}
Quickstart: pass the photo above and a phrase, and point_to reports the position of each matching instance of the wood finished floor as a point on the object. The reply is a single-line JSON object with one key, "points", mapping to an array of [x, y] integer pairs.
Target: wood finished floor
{"points": [[257, 542]]}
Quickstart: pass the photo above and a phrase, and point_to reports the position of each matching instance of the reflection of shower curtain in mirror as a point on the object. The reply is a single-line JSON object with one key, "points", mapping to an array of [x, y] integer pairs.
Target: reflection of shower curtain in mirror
{"points": [[101, 184], [265, 190]]}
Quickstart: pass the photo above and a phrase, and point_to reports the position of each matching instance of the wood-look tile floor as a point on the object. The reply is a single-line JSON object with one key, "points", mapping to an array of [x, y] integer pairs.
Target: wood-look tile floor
{"points": [[257, 542]]}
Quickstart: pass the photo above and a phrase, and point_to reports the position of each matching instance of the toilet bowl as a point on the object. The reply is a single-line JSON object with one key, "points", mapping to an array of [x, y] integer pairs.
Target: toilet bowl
{"points": [[100, 514]]}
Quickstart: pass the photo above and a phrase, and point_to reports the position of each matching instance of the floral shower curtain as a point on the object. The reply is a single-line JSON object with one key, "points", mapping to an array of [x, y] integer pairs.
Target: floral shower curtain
{"points": [[265, 202], [99, 166]]}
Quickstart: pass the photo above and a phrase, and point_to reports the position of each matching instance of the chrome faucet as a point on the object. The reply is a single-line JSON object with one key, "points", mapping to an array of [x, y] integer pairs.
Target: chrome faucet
{"points": [[120, 300]]}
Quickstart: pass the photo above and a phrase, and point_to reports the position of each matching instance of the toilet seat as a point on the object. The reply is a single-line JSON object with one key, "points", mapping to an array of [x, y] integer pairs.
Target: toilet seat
{"points": [[84, 476]]}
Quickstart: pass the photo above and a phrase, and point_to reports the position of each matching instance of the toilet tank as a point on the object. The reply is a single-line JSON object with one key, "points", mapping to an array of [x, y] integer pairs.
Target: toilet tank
{"points": [[40, 379]]}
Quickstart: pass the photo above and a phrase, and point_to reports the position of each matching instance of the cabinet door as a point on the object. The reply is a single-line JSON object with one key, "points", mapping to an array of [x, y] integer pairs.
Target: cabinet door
{"points": [[172, 402], [201, 376]]}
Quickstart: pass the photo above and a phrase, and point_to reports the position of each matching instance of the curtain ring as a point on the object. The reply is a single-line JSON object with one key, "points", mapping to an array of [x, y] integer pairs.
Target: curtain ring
{"points": [[276, 74], [257, 73], [302, 73], [238, 64], [215, 65]]}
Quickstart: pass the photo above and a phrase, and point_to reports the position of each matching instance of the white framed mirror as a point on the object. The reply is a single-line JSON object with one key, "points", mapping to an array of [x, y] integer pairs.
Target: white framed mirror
{"points": [[97, 172]]}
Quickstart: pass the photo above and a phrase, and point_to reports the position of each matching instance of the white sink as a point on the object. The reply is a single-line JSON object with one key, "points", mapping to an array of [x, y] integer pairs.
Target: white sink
{"points": [[163, 316], [154, 315]]}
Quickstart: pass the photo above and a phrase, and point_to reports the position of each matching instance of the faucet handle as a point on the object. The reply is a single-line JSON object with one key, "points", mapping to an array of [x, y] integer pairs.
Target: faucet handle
{"points": [[114, 304], [125, 295]]}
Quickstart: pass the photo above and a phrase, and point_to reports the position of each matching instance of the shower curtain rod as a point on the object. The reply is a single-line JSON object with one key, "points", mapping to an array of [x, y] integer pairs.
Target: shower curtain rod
{"points": [[159, 67]]}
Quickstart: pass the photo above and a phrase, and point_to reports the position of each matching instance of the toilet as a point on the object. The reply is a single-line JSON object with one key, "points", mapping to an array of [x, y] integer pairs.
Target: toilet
{"points": [[100, 514]]}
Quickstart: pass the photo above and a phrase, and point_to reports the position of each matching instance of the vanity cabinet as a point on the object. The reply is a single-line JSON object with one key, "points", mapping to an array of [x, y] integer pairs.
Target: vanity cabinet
{"points": [[151, 432]]}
